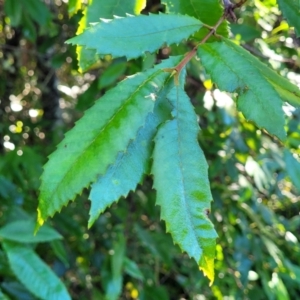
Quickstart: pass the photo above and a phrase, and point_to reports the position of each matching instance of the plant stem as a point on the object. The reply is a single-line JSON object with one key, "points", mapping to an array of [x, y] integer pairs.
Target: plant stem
{"points": [[229, 11], [191, 54]]}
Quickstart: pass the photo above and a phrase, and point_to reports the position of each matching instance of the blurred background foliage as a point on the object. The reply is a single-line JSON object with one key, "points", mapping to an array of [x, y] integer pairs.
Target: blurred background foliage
{"points": [[127, 254]]}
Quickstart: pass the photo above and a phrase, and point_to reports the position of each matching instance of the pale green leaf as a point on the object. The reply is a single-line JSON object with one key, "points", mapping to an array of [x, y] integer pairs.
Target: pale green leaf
{"points": [[94, 143], [207, 11], [133, 36], [107, 10], [261, 90], [292, 168], [291, 11], [130, 166], [181, 180], [22, 231], [36, 276]]}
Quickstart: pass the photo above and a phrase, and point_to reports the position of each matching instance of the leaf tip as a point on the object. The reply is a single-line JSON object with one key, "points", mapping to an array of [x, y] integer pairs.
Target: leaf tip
{"points": [[91, 222], [39, 222], [207, 267]]}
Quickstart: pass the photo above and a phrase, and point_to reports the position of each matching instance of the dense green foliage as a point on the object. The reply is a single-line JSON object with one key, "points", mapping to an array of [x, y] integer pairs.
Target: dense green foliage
{"points": [[227, 191]]}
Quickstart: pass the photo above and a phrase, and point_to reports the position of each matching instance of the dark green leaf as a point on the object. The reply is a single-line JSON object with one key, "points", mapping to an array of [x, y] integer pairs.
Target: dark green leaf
{"points": [[87, 99], [132, 36], [38, 278], [132, 269], [181, 180], [23, 232], [94, 143], [17, 290], [38, 11], [291, 10], [113, 286], [261, 90], [74, 6], [3, 296], [208, 12], [60, 251], [13, 9], [246, 32], [111, 74]]}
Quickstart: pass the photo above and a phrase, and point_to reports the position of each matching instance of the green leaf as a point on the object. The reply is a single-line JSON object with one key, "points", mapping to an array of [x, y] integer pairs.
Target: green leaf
{"points": [[13, 9], [38, 11], [23, 232], [111, 74], [113, 279], [3, 296], [132, 36], [207, 11], [74, 6], [291, 10], [36, 276], [60, 251], [107, 10], [130, 166], [132, 269], [292, 168], [246, 32], [261, 90], [16, 290], [94, 143], [181, 180]]}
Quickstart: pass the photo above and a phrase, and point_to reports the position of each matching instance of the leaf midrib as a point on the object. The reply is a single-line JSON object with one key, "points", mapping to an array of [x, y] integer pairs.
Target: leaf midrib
{"points": [[181, 173], [61, 182], [150, 33]]}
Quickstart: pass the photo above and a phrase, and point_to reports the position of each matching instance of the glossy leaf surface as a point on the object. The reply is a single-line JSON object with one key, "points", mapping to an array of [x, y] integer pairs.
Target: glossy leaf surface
{"points": [[94, 143], [181, 180], [133, 36], [36, 276], [260, 89]]}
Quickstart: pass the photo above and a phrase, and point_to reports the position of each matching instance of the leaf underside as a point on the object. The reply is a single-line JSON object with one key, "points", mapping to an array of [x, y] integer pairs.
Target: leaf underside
{"points": [[291, 11], [134, 36], [261, 90], [130, 166], [107, 10], [181, 180], [36, 276], [94, 143]]}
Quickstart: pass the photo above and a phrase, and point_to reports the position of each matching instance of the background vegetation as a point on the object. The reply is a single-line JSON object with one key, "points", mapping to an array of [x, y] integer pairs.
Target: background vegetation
{"points": [[127, 254]]}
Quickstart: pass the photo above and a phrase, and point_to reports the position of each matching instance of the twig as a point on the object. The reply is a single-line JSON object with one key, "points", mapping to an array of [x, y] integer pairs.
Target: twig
{"points": [[228, 12], [191, 54]]}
